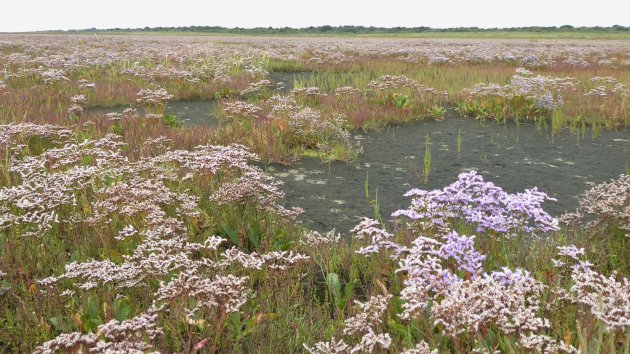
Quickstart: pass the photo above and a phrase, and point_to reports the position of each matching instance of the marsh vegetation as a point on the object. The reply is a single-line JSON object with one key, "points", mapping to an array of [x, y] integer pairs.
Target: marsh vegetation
{"points": [[181, 194]]}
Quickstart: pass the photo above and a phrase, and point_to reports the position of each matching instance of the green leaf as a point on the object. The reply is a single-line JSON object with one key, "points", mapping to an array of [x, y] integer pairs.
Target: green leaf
{"points": [[231, 234], [282, 241], [121, 309], [401, 329], [89, 324], [254, 236], [415, 331], [60, 324], [93, 310], [92, 319], [347, 294], [366, 186], [235, 321], [249, 328], [506, 344], [334, 287]]}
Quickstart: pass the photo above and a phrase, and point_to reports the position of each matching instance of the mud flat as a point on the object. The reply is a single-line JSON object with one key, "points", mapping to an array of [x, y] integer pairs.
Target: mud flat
{"points": [[513, 156]]}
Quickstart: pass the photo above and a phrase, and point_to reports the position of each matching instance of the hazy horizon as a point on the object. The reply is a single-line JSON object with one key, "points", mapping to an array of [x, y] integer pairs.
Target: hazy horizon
{"points": [[41, 15]]}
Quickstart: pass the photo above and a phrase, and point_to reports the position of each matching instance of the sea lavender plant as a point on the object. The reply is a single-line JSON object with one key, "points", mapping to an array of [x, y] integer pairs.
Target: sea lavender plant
{"points": [[141, 193], [606, 205], [154, 101], [78, 105], [482, 204], [362, 326], [112, 337], [607, 297]]}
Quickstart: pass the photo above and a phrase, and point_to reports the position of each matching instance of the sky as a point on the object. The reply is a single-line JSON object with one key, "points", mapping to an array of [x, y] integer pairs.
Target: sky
{"points": [[36, 15]]}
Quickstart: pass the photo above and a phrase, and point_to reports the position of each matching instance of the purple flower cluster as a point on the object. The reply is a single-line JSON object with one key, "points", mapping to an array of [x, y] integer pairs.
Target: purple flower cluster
{"points": [[461, 248], [481, 203], [512, 278]]}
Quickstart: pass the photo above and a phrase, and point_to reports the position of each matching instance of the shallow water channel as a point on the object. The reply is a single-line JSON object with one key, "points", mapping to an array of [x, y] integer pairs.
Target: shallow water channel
{"points": [[202, 112], [513, 156]]}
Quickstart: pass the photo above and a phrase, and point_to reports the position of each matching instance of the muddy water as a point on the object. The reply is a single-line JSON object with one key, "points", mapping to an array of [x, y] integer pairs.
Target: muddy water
{"points": [[186, 112], [285, 81], [203, 112], [513, 157]]}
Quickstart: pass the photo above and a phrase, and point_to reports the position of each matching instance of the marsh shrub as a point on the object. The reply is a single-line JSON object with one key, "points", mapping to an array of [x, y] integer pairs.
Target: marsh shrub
{"points": [[298, 127], [525, 96], [402, 92], [604, 207]]}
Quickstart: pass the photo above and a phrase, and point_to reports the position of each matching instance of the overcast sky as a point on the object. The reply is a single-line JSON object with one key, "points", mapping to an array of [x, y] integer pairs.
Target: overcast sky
{"points": [[31, 15]]}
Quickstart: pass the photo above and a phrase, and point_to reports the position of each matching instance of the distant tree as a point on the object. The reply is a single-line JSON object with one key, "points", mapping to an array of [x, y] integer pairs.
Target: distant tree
{"points": [[352, 29]]}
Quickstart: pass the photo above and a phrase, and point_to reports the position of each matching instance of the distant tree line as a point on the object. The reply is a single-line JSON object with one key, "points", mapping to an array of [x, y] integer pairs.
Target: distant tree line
{"points": [[357, 29]]}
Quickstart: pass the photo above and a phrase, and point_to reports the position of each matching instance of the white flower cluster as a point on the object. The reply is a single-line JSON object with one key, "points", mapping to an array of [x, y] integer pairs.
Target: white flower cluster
{"points": [[347, 91], [311, 91], [154, 101], [240, 109], [543, 91], [51, 180], [392, 82], [85, 84], [10, 133], [378, 238], [256, 87], [606, 204], [362, 325], [78, 104], [52, 75], [607, 297], [314, 238], [199, 276], [111, 337]]}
